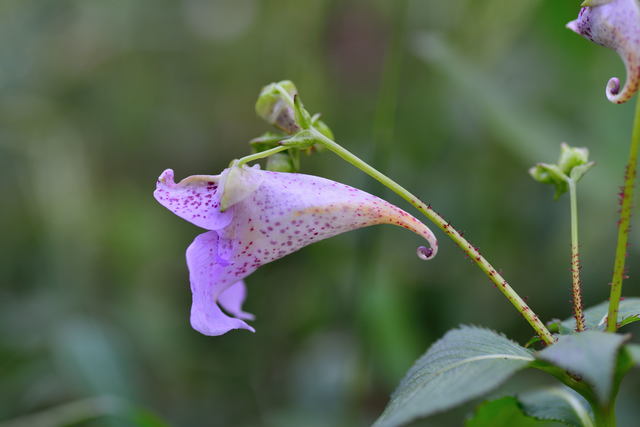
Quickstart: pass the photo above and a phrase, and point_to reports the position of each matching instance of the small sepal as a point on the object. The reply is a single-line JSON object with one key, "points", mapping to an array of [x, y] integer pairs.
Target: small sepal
{"points": [[266, 141], [550, 174], [301, 140], [593, 3]]}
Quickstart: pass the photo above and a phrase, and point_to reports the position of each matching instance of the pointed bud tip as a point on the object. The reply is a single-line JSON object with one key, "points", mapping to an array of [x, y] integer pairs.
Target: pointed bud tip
{"points": [[573, 26]]}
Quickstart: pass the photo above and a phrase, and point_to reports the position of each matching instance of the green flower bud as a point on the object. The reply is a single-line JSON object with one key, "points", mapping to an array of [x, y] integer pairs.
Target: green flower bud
{"points": [[571, 157], [572, 165], [280, 162], [276, 105]]}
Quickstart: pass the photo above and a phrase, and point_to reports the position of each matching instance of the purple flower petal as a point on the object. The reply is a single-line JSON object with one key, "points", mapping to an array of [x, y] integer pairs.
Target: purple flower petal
{"points": [[206, 316], [614, 24], [271, 215], [232, 299], [195, 199]]}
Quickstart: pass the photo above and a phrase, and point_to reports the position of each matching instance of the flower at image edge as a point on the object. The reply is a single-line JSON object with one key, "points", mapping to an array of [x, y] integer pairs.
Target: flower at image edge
{"points": [[614, 24]]}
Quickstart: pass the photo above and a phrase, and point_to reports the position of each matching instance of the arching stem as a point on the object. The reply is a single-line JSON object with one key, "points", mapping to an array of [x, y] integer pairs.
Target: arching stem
{"points": [[469, 249]]}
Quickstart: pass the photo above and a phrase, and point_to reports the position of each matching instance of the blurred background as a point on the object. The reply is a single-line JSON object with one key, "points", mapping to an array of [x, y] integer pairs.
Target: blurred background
{"points": [[455, 99]]}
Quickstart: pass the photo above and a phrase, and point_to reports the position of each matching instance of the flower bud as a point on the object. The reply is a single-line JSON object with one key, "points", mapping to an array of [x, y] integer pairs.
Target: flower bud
{"points": [[614, 24], [571, 157], [276, 105], [572, 165], [280, 162]]}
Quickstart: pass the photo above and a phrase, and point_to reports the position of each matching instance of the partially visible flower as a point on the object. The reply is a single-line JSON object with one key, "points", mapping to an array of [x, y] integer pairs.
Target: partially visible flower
{"points": [[256, 217], [614, 24]]}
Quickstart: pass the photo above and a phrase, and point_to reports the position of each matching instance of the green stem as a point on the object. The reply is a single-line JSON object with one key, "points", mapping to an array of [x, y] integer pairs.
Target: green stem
{"points": [[259, 155], [623, 225], [576, 290], [604, 417], [469, 249]]}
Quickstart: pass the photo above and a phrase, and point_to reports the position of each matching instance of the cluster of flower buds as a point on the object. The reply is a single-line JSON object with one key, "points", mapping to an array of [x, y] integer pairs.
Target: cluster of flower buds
{"points": [[571, 166], [279, 104]]}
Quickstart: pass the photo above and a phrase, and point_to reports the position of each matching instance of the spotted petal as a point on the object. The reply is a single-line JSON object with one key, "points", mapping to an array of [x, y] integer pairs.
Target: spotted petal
{"points": [[273, 215]]}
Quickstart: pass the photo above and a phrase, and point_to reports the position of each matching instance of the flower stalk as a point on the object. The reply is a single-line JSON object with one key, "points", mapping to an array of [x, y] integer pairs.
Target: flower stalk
{"points": [[471, 251], [259, 155], [576, 285], [626, 204]]}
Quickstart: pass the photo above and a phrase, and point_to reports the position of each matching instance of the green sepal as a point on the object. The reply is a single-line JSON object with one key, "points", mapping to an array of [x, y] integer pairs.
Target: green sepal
{"points": [[237, 183], [594, 3], [550, 174], [301, 140], [303, 118], [266, 141], [578, 172]]}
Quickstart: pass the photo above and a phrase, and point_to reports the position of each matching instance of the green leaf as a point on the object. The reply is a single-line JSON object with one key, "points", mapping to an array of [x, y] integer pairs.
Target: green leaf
{"points": [[591, 355], [464, 364], [595, 317], [502, 412], [557, 404]]}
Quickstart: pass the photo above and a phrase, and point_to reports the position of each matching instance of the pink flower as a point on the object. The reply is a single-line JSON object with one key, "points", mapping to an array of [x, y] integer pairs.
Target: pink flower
{"points": [[255, 217], [614, 24]]}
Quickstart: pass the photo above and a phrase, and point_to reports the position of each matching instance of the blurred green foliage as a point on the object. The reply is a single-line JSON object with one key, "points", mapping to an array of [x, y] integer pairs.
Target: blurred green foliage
{"points": [[455, 99]]}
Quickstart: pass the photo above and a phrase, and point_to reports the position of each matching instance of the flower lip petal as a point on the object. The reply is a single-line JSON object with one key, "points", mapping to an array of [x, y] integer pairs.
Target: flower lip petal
{"points": [[195, 199], [231, 300], [207, 285]]}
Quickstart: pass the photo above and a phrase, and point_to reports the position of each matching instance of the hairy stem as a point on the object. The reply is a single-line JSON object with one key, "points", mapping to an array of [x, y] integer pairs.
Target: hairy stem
{"points": [[576, 290], [626, 196], [469, 249]]}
